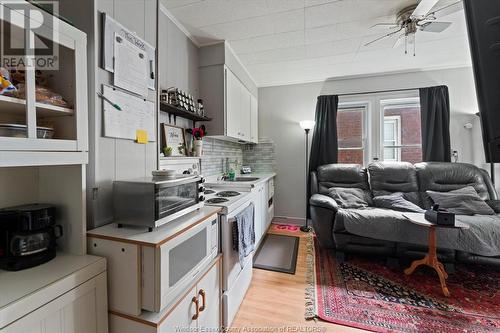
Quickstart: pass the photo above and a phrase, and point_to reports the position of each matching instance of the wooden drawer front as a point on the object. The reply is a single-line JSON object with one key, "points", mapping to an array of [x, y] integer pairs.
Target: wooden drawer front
{"points": [[81, 310]]}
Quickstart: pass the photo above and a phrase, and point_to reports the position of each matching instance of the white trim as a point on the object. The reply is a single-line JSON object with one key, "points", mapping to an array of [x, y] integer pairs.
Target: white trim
{"points": [[179, 25]]}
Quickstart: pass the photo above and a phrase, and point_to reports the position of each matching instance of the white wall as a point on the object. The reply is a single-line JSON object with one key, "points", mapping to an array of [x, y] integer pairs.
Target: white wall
{"points": [[282, 107]]}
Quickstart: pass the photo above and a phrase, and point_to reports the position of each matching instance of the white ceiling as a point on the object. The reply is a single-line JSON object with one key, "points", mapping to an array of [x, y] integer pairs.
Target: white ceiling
{"points": [[295, 41]]}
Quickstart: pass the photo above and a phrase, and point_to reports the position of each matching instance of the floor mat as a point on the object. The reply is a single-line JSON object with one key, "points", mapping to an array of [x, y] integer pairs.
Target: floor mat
{"points": [[277, 253]]}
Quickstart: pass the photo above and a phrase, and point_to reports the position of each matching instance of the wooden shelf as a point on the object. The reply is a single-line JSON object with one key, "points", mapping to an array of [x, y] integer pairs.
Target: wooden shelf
{"points": [[14, 105], [178, 112]]}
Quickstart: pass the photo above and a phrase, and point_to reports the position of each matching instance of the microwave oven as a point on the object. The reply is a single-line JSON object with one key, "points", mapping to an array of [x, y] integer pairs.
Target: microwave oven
{"points": [[152, 202]]}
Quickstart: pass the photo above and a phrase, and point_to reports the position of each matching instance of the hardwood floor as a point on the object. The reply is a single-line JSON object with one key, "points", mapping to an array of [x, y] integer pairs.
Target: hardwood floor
{"points": [[276, 299]]}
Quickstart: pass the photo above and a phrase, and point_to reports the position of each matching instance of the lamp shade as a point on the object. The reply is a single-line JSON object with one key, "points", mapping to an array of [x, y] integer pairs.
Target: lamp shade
{"points": [[307, 124]]}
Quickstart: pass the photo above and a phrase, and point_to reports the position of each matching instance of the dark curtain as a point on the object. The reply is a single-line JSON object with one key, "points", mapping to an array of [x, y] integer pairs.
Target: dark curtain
{"points": [[324, 145], [435, 114]]}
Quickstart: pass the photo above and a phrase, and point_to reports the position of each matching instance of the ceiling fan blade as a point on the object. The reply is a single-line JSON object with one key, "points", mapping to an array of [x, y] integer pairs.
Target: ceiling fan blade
{"points": [[450, 9], [423, 8], [386, 26], [434, 26], [382, 37]]}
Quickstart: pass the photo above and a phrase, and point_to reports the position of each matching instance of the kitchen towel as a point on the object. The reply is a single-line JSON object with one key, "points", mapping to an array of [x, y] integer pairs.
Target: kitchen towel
{"points": [[244, 233]]}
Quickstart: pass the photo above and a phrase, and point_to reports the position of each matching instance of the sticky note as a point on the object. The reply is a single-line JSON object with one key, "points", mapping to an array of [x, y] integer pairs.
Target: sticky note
{"points": [[141, 136]]}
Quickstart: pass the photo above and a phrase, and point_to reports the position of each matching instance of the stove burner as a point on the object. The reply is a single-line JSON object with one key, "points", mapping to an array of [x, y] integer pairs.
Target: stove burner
{"points": [[228, 194], [209, 191], [216, 200]]}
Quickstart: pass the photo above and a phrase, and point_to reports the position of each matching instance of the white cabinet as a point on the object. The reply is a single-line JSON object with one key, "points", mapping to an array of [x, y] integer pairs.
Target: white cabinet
{"points": [[229, 95], [254, 120], [261, 217], [155, 267], [198, 310], [32, 109], [81, 310]]}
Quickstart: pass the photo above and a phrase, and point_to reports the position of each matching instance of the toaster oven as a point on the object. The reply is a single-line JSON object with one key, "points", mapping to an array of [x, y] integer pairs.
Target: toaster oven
{"points": [[151, 202]]}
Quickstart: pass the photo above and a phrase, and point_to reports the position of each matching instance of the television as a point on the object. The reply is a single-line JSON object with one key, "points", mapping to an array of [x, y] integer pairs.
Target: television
{"points": [[483, 25]]}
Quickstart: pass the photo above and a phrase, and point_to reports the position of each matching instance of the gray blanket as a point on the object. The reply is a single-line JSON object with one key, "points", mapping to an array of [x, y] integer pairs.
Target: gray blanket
{"points": [[482, 237], [245, 233]]}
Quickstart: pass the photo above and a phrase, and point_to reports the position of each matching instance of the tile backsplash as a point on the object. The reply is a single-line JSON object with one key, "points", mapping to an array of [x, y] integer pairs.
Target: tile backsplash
{"points": [[261, 157], [215, 153]]}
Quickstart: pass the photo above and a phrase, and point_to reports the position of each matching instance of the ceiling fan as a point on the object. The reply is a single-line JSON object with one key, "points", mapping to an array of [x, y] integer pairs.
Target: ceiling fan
{"points": [[418, 17]]}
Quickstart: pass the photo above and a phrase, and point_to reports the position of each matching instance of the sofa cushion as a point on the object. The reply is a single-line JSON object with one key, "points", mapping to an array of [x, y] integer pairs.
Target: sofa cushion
{"points": [[396, 201], [464, 201], [342, 175], [350, 197], [444, 177], [392, 177]]}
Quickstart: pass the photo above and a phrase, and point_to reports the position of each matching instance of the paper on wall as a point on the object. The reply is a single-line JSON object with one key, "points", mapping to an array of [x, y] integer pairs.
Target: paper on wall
{"points": [[131, 67], [136, 114]]}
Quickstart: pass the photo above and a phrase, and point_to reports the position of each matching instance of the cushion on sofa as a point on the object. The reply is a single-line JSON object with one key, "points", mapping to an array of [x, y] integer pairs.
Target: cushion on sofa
{"points": [[444, 177], [396, 201], [394, 177], [350, 197], [341, 175], [464, 201]]}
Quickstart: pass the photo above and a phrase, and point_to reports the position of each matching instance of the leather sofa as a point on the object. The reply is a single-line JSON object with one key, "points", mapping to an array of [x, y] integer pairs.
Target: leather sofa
{"points": [[385, 178]]}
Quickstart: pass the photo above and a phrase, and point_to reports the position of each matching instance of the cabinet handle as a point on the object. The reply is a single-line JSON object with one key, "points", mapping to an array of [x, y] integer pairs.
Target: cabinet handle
{"points": [[203, 299], [196, 304]]}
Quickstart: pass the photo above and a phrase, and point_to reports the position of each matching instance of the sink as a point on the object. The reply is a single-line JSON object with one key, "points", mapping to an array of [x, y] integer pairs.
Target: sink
{"points": [[243, 179]]}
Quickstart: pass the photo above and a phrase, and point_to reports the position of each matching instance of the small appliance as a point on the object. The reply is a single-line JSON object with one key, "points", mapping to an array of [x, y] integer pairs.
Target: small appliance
{"points": [[28, 236], [151, 202]]}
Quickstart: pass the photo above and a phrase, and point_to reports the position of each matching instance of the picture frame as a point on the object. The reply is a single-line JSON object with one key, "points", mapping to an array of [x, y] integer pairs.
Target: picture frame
{"points": [[174, 136]]}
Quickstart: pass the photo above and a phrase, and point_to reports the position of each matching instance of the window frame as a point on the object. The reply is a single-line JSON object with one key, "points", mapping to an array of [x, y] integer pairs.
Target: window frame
{"points": [[396, 120]]}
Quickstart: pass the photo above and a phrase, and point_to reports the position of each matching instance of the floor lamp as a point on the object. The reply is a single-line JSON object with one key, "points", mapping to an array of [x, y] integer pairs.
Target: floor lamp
{"points": [[307, 125]]}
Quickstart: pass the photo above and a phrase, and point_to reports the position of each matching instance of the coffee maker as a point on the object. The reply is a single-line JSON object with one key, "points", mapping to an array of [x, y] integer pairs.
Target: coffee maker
{"points": [[28, 236]]}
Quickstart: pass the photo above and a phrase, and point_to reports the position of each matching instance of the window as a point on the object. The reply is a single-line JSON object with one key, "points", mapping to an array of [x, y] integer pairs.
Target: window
{"points": [[402, 133], [392, 138], [380, 126], [350, 131]]}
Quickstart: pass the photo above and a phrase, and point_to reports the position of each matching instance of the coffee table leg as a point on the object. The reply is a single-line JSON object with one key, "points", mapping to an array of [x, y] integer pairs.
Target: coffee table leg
{"points": [[431, 260]]}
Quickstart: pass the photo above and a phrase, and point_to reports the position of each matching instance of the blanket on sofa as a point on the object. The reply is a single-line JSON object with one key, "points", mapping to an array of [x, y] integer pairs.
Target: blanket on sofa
{"points": [[483, 236]]}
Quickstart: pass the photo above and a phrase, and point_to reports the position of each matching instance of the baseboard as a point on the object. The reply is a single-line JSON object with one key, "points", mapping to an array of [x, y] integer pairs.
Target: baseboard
{"points": [[289, 220]]}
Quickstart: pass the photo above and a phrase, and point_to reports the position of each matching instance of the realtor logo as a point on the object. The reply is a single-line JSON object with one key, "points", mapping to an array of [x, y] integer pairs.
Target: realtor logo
{"points": [[27, 35]]}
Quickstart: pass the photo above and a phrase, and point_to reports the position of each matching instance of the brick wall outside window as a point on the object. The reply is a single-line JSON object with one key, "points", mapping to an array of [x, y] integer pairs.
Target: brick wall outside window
{"points": [[350, 134]]}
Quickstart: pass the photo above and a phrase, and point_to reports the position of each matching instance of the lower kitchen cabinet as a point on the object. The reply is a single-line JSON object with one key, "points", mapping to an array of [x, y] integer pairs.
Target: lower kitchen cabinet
{"points": [[198, 310], [264, 208], [82, 309]]}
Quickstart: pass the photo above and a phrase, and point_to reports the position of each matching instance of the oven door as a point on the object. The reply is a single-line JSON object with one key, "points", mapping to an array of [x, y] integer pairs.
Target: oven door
{"points": [[184, 257], [171, 199]]}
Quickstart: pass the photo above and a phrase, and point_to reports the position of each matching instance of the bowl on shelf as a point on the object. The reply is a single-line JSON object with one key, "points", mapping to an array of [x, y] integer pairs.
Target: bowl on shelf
{"points": [[21, 131]]}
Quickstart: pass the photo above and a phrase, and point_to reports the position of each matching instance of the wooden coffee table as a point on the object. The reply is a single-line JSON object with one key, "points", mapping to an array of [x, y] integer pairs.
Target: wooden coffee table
{"points": [[431, 258]]}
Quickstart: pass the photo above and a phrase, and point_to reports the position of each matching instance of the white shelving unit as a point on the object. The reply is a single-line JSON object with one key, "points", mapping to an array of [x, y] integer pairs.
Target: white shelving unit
{"points": [[68, 293], [69, 80]]}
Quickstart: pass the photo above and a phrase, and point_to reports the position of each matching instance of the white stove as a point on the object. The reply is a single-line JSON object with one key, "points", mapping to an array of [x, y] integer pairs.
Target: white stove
{"points": [[228, 199], [236, 278]]}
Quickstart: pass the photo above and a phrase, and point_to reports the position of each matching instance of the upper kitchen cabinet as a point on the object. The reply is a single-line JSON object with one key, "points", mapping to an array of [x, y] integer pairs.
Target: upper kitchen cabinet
{"points": [[229, 95], [43, 99]]}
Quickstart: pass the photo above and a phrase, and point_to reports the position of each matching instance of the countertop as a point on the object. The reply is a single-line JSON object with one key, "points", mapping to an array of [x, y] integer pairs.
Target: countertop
{"points": [[263, 177], [155, 238]]}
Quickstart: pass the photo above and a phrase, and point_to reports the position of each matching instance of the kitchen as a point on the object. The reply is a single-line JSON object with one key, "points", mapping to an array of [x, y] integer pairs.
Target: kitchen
{"points": [[156, 255]]}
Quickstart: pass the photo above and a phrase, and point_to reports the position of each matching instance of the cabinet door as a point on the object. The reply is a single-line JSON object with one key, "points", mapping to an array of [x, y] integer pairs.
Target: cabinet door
{"points": [[264, 196], [81, 310], [254, 120], [245, 113], [210, 312], [233, 105], [182, 316]]}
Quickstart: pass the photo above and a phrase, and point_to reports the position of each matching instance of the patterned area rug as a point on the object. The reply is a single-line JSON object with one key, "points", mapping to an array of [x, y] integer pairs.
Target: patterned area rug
{"points": [[366, 294]]}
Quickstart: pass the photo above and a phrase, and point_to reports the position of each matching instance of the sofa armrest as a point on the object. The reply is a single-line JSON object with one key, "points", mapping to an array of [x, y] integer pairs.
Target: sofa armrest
{"points": [[495, 205], [323, 201]]}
